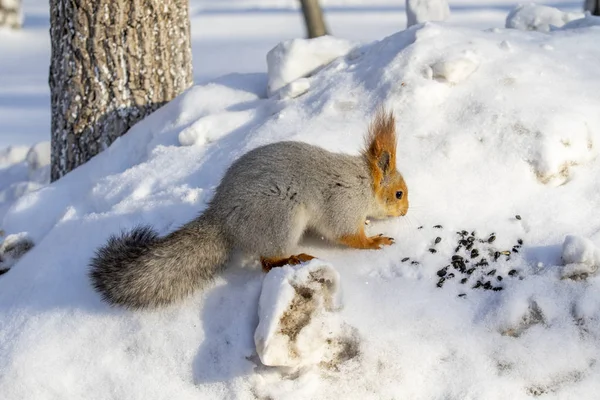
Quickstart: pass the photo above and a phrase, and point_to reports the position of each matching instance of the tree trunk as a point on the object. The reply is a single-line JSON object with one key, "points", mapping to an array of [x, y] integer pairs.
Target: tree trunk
{"points": [[313, 17], [113, 62], [10, 14], [592, 6]]}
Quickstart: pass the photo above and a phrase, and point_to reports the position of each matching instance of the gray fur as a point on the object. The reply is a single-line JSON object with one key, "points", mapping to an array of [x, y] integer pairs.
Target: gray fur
{"points": [[265, 202]]}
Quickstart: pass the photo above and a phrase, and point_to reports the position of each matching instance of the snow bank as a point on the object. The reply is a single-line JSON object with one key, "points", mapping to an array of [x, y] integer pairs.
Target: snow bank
{"points": [[296, 325], [418, 11], [534, 17], [298, 58], [581, 257], [508, 147], [585, 22], [22, 170]]}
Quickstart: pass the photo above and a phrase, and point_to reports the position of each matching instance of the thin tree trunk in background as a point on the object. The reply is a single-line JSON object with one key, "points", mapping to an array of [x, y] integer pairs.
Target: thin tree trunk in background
{"points": [[592, 6], [113, 62], [10, 14], [313, 17]]}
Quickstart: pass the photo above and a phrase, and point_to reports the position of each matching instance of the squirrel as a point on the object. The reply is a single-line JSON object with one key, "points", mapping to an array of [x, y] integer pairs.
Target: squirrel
{"points": [[263, 205]]}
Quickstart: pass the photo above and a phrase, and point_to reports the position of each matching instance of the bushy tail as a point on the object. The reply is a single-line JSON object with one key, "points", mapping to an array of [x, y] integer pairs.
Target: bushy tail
{"points": [[138, 269]]}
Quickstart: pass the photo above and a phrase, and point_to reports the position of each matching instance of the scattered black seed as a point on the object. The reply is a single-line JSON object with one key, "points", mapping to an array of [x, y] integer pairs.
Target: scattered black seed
{"points": [[432, 251], [462, 295], [438, 226], [469, 247], [478, 285], [492, 272], [450, 276], [464, 233], [441, 282], [499, 277], [470, 271], [518, 217], [487, 285], [438, 239], [515, 249], [512, 272], [496, 255], [405, 259], [491, 239], [463, 242], [473, 233], [470, 239], [474, 253], [421, 227], [482, 263], [464, 280], [520, 241], [457, 248], [414, 262], [457, 258], [497, 288], [442, 272]]}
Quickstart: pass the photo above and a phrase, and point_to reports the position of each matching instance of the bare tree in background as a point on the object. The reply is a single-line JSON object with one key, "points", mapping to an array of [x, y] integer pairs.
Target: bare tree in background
{"points": [[113, 62], [313, 17], [592, 6], [10, 14]]}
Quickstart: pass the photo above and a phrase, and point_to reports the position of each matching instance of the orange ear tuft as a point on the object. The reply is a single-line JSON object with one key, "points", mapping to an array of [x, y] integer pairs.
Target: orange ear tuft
{"points": [[381, 144]]}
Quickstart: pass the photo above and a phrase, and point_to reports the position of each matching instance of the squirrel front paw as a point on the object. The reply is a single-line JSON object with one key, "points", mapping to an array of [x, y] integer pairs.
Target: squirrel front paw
{"points": [[377, 242], [361, 241]]}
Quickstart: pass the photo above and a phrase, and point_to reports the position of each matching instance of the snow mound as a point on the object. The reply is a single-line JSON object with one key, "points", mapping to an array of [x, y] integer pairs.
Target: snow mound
{"points": [[22, 170], [509, 149], [298, 58], [581, 257], [534, 17], [454, 70], [585, 22], [295, 314], [418, 11], [13, 154]]}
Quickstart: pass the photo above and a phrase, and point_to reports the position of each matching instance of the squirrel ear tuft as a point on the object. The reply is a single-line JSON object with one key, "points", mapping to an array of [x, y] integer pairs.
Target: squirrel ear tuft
{"points": [[384, 162], [381, 142]]}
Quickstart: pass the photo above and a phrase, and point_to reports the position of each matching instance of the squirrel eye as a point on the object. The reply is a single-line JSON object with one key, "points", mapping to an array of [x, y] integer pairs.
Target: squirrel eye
{"points": [[399, 194]]}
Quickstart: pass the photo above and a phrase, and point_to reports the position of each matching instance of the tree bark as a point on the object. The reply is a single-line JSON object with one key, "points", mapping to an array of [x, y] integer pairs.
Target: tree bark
{"points": [[592, 6], [10, 14], [113, 62], [313, 17]]}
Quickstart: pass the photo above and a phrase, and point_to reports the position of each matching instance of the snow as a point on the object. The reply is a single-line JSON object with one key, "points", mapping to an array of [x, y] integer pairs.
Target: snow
{"points": [[534, 17], [299, 58], [499, 132], [295, 314], [585, 22], [580, 255], [418, 11]]}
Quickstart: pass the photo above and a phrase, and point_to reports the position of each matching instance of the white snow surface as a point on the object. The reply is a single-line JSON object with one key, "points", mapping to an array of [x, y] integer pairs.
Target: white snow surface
{"points": [[299, 58], [536, 17], [295, 313], [418, 11], [517, 135], [23, 169], [580, 255]]}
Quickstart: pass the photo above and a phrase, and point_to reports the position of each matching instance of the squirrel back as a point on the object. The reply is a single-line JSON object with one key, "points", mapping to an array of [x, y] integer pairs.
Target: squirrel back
{"points": [[265, 202]]}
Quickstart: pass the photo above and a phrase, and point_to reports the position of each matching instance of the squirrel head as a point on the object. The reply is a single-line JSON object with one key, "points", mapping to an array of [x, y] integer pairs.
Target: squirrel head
{"points": [[391, 193]]}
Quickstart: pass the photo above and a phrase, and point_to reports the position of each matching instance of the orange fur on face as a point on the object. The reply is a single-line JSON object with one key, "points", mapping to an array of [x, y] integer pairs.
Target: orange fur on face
{"points": [[380, 154]]}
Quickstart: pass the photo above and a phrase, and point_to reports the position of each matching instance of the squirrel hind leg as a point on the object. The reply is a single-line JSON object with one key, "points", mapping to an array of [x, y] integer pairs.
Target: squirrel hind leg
{"points": [[268, 263]]}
